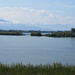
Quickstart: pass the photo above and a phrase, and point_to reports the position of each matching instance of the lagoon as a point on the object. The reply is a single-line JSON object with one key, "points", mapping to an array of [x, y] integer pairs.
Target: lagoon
{"points": [[36, 50]]}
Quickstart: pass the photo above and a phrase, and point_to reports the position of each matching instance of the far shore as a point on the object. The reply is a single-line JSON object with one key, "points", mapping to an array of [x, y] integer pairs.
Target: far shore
{"points": [[39, 33]]}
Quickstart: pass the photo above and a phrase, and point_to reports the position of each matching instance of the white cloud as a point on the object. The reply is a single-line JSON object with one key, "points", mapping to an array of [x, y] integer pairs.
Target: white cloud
{"points": [[31, 16]]}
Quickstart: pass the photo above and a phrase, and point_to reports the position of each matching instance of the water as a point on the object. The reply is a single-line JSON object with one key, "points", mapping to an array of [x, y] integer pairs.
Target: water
{"points": [[30, 33], [36, 50]]}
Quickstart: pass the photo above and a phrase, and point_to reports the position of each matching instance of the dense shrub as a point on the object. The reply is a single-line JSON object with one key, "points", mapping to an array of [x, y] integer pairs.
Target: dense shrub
{"points": [[73, 30], [35, 33], [61, 34], [11, 33]]}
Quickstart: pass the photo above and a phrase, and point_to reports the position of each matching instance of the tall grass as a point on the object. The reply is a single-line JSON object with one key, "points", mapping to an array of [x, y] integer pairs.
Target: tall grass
{"points": [[20, 69]]}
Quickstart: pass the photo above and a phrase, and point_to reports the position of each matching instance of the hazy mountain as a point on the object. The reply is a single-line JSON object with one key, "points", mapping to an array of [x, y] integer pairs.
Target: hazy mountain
{"points": [[57, 27], [12, 26], [2, 20]]}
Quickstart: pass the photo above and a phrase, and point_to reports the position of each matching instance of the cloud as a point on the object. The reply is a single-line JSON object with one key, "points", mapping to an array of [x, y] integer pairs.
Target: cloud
{"points": [[31, 16]]}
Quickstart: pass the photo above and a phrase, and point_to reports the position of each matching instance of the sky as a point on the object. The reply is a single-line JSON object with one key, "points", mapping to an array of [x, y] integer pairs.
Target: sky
{"points": [[37, 12]]}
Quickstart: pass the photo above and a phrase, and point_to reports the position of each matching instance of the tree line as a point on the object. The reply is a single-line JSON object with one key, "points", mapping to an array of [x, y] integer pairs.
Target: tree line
{"points": [[11, 33], [57, 33]]}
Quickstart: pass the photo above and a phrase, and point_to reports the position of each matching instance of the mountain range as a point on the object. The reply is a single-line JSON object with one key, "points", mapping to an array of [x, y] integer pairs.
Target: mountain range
{"points": [[48, 27]]}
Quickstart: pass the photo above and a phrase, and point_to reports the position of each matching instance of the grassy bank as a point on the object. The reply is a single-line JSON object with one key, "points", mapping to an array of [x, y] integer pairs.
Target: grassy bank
{"points": [[20, 69]]}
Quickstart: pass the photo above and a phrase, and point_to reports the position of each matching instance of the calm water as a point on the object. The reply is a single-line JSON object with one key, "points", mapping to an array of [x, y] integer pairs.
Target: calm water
{"points": [[36, 50]]}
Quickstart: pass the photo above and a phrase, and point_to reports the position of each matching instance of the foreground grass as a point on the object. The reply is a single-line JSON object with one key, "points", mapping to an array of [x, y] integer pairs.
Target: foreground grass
{"points": [[20, 69]]}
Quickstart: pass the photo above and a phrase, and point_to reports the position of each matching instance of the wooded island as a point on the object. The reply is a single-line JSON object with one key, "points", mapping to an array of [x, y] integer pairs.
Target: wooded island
{"points": [[70, 33]]}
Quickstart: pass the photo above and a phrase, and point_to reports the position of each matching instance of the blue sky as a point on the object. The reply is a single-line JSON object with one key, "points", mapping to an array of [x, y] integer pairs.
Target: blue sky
{"points": [[38, 11]]}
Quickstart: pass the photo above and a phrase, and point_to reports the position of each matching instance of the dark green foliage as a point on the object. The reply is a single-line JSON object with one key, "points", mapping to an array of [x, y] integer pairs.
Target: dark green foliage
{"points": [[73, 30], [11, 33], [61, 34], [20, 69], [47, 35], [35, 33]]}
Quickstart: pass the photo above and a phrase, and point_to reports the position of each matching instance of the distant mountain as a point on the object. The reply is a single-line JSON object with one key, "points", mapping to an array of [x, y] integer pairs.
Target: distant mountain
{"points": [[2, 20], [48, 27], [56, 27], [12, 26]]}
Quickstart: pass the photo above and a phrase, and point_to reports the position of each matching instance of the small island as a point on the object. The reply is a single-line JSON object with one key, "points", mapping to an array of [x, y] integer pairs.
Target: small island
{"points": [[57, 33], [8, 32]]}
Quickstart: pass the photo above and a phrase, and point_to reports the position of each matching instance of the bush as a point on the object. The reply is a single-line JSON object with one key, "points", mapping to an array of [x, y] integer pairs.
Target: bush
{"points": [[35, 33], [73, 30], [62, 34], [11, 33]]}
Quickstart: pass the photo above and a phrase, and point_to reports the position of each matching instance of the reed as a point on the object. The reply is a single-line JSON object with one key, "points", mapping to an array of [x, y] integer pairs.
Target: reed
{"points": [[20, 69]]}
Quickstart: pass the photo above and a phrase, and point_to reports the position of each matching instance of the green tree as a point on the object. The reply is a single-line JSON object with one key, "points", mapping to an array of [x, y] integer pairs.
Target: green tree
{"points": [[73, 30], [35, 33]]}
